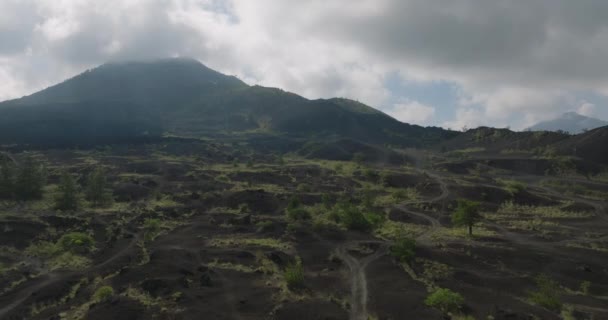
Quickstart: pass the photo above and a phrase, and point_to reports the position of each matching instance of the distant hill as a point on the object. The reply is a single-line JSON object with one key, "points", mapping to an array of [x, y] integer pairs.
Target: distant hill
{"points": [[182, 97], [570, 122]]}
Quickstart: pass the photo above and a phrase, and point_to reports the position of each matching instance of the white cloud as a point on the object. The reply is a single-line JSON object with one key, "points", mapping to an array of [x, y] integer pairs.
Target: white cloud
{"points": [[586, 109], [412, 112]]}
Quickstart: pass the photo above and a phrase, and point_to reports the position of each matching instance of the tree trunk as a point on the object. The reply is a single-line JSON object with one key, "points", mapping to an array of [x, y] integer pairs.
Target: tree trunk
{"points": [[470, 230]]}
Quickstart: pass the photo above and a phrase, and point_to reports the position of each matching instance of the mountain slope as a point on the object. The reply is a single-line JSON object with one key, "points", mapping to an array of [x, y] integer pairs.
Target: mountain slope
{"points": [[571, 122], [183, 97]]}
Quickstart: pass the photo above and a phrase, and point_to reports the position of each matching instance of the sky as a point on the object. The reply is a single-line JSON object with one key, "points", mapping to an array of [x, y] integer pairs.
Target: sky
{"points": [[456, 64]]}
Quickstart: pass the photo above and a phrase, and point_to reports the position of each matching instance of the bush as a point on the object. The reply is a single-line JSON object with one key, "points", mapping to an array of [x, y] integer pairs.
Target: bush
{"points": [[304, 187], [404, 249], [294, 275], [298, 214], [295, 211], [104, 293], [547, 294], [371, 175], [445, 300], [326, 199], [514, 187], [264, 226], [375, 219], [76, 242], [351, 217], [151, 229]]}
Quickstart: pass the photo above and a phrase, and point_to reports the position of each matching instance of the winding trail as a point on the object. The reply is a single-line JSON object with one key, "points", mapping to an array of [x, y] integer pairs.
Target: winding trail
{"points": [[29, 289], [357, 266]]}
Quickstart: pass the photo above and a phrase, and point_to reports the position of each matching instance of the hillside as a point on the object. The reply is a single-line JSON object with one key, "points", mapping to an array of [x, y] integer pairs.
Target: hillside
{"points": [[182, 97]]}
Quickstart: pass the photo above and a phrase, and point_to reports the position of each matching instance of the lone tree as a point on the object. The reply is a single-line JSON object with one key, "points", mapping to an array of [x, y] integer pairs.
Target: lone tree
{"points": [[7, 178], [68, 197], [30, 180], [466, 214], [97, 192]]}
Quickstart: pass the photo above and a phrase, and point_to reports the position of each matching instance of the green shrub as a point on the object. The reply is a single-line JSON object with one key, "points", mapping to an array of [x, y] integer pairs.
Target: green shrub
{"points": [[404, 249], [445, 300], [152, 228], [339, 167], [513, 187], [104, 293], [371, 175], [351, 217], [375, 219], [298, 214], [547, 294], [264, 226], [244, 208], [584, 288], [294, 275], [304, 187], [294, 202], [326, 199], [76, 242]]}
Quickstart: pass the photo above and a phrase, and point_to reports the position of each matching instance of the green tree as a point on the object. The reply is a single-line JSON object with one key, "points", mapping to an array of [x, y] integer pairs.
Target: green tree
{"points": [[68, 198], [97, 192], [7, 178], [30, 180], [466, 214]]}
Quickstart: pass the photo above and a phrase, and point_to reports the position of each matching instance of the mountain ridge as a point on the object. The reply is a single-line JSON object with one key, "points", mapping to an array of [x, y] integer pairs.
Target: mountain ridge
{"points": [[570, 122], [183, 97]]}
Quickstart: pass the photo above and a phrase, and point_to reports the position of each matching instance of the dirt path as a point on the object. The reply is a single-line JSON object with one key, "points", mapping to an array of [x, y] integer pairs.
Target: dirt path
{"points": [[358, 279], [357, 266], [30, 290], [20, 295]]}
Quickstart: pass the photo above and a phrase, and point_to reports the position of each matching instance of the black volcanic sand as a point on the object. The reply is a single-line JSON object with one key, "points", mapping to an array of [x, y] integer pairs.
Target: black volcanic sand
{"points": [[225, 243]]}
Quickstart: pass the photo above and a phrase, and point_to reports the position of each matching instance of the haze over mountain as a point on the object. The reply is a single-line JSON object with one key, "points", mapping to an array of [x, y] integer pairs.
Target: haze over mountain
{"points": [[571, 122], [131, 100]]}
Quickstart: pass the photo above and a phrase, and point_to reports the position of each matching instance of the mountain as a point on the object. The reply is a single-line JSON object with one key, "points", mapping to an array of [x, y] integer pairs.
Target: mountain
{"points": [[571, 122], [182, 97]]}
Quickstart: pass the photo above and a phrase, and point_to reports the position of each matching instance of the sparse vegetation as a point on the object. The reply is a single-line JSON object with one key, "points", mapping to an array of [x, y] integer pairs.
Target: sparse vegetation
{"points": [[152, 228], [547, 294], [103, 294]]}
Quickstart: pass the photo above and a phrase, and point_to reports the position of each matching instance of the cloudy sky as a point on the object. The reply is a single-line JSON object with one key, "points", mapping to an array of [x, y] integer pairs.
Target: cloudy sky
{"points": [[432, 62]]}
